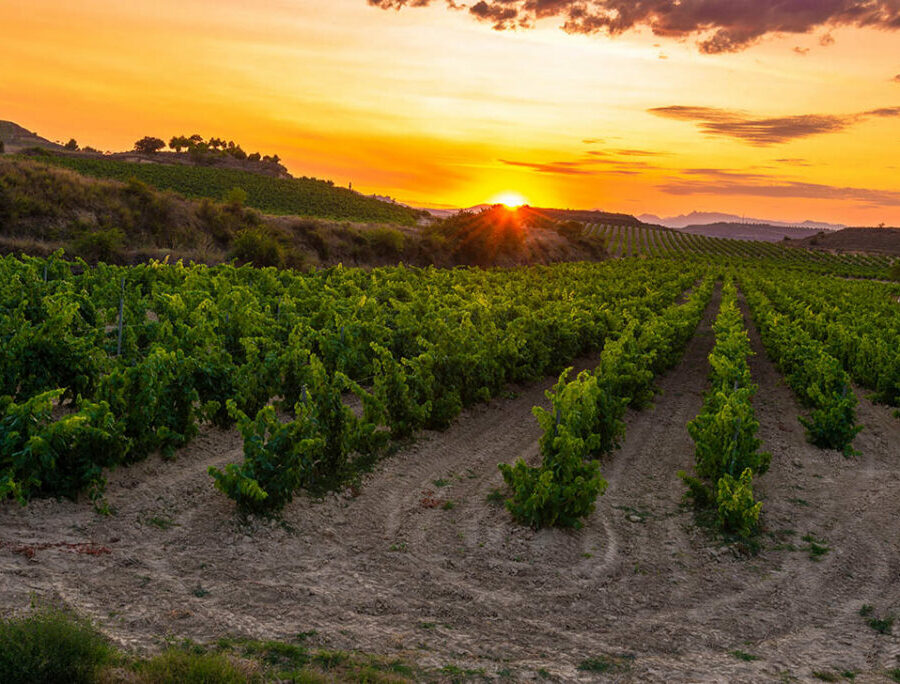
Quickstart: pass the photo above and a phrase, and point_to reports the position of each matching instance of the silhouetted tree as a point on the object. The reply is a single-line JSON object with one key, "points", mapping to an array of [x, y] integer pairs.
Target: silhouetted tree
{"points": [[255, 157], [179, 142], [72, 145], [2, 147], [149, 145]]}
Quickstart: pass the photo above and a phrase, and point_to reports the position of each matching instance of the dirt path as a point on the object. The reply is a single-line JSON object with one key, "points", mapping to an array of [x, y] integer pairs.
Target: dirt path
{"points": [[421, 564]]}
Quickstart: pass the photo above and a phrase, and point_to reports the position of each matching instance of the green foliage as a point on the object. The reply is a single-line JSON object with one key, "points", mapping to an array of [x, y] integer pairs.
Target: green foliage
{"points": [[392, 389], [724, 433], [586, 418], [424, 343], [816, 376], [98, 245], [155, 401], [278, 459], [256, 246], [387, 242], [738, 512], [59, 458], [48, 646], [563, 489], [189, 667]]}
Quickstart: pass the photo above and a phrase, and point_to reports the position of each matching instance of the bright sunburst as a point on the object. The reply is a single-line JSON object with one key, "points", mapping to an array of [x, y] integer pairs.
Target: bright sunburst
{"points": [[509, 199]]}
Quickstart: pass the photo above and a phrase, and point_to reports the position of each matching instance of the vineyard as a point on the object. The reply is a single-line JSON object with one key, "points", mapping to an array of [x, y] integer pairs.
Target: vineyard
{"points": [[296, 196], [652, 241], [698, 449]]}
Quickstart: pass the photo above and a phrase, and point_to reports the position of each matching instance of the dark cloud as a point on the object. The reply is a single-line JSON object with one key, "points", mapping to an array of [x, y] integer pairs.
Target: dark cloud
{"points": [[766, 131], [719, 25], [724, 182]]}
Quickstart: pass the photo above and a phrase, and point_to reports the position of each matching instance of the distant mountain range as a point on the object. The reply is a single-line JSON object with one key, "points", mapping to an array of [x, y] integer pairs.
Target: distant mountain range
{"points": [[702, 218]]}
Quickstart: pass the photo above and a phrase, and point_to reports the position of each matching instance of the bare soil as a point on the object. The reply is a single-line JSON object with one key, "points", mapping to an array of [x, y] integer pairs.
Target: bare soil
{"points": [[422, 565]]}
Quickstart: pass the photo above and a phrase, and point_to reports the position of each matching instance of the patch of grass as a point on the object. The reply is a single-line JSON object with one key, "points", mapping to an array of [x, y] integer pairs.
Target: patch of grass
{"points": [[543, 673], [448, 506], [849, 674], [866, 610], [199, 591], [606, 663], [599, 664], [882, 625], [496, 497], [440, 482], [190, 667], [51, 645], [743, 655], [826, 676], [894, 674], [427, 625], [398, 547], [816, 547], [799, 502]]}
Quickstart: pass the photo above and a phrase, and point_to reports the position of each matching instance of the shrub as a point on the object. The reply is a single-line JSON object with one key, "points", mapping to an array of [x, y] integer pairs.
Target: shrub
{"points": [[58, 458], [387, 241], [737, 511], [236, 198], [99, 245], [277, 459], [564, 488], [50, 646], [256, 246]]}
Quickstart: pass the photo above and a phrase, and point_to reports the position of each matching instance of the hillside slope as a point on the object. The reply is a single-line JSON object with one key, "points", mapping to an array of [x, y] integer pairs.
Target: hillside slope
{"points": [[882, 240], [749, 231], [286, 196], [15, 138], [44, 208]]}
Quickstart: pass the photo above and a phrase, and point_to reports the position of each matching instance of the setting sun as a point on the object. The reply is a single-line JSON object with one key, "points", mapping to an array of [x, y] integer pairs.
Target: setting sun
{"points": [[509, 199]]}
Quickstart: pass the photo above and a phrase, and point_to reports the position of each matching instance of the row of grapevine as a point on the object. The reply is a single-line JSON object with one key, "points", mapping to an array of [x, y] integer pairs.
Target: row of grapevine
{"points": [[727, 448], [649, 241], [585, 421], [817, 378], [856, 321], [164, 349]]}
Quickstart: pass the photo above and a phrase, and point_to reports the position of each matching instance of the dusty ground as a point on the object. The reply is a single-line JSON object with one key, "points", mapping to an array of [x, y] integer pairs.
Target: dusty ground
{"points": [[393, 571]]}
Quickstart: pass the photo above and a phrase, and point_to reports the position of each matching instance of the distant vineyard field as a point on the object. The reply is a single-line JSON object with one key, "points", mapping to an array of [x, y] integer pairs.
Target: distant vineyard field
{"points": [[293, 196], [649, 241]]}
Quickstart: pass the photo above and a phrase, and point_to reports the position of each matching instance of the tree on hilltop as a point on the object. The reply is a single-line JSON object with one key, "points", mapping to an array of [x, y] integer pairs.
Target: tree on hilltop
{"points": [[72, 145], [149, 145]]}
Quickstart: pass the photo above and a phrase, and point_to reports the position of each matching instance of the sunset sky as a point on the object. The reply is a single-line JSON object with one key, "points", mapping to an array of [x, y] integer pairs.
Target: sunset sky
{"points": [[730, 108]]}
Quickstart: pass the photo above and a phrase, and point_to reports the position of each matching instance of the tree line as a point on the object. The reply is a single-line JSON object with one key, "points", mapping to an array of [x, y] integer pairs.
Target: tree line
{"points": [[195, 145]]}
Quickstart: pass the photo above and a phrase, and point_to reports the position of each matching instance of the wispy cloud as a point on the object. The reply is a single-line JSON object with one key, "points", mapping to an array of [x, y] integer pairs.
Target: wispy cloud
{"points": [[719, 25], [766, 131], [725, 182]]}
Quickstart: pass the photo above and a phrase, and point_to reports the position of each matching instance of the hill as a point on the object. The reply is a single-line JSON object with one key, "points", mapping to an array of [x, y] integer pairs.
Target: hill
{"points": [[15, 138], [285, 196], [750, 231], [589, 216], [703, 218], [44, 208], [880, 240]]}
